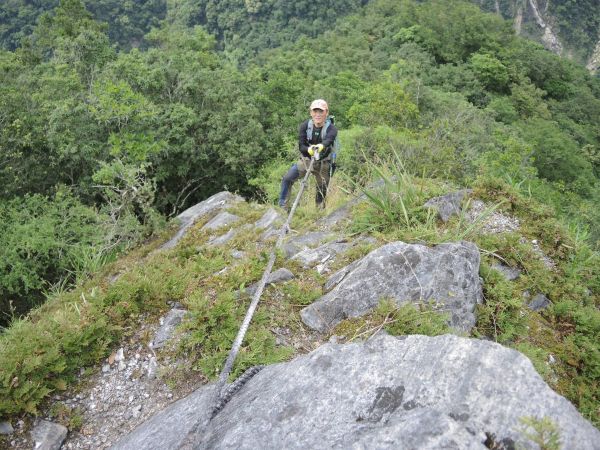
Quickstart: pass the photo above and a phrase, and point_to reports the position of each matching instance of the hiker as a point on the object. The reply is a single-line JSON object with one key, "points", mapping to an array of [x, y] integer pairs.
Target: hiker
{"points": [[316, 135]]}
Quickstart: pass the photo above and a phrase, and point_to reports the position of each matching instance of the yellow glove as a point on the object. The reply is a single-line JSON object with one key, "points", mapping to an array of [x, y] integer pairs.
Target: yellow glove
{"points": [[320, 147], [311, 150]]}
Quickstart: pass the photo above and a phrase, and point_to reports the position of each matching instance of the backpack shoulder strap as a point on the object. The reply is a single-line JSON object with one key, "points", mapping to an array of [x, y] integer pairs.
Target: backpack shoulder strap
{"points": [[325, 127], [309, 130]]}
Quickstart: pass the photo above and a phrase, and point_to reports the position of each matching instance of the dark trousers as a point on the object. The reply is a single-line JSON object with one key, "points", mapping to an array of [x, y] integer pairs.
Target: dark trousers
{"points": [[321, 172]]}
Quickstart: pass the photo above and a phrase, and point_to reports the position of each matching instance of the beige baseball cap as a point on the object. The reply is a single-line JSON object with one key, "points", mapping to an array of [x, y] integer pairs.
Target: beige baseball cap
{"points": [[319, 104]]}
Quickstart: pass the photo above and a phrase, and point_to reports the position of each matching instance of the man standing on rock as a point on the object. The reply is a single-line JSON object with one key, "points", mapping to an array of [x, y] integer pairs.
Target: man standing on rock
{"points": [[316, 139]]}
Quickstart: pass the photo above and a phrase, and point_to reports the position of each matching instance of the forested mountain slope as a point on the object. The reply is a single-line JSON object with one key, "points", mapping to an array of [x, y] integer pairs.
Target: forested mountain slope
{"points": [[127, 21], [242, 25], [569, 28]]}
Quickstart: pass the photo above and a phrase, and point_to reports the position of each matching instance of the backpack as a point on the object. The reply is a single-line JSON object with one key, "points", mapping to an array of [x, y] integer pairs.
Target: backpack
{"points": [[336, 144]]}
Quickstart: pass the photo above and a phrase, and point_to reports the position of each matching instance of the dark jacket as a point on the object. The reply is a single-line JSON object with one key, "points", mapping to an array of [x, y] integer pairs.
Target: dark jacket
{"points": [[304, 141]]}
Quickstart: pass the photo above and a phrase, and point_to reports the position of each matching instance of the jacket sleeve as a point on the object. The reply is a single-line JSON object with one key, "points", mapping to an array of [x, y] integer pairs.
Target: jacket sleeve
{"points": [[329, 139], [302, 140]]}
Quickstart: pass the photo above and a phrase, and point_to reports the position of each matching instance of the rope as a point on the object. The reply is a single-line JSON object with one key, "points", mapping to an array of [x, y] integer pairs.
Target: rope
{"points": [[231, 390], [222, 394], [257, 294]]}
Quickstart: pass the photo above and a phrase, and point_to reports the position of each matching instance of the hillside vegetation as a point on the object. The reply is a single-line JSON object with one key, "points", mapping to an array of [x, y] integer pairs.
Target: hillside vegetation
{"points": [[99, 146], [244, 27]]}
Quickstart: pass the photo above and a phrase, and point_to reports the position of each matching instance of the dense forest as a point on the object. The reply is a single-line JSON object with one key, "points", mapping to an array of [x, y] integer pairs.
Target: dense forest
{"points": [[99, 145], [126, 21], [248, 26]]}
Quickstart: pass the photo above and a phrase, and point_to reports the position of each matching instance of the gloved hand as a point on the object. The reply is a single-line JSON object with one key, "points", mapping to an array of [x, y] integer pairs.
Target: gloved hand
{"points": [[315, 149]]}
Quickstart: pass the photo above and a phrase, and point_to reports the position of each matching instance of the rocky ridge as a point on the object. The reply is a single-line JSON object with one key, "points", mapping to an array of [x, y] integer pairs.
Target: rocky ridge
{"points": [[129, 391]]}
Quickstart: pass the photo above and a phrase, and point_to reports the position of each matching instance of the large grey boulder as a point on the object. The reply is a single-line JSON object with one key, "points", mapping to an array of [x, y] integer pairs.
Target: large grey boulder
{"points": [[414, 392], [168, 429], [447, 274], [202, 209]]}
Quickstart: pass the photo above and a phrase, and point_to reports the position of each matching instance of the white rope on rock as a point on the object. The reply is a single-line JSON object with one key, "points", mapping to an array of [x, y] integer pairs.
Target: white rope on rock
{"points": [[258, 293], [221, 393]]}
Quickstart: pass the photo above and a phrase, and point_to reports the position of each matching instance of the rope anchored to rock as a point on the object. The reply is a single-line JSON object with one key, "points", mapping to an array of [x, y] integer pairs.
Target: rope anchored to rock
{"points": [[223, 394], [220, 389]]}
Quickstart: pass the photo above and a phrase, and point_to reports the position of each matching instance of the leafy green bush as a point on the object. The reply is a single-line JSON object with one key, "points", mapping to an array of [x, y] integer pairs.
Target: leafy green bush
{"points": [[57, 241], [41, 240]]}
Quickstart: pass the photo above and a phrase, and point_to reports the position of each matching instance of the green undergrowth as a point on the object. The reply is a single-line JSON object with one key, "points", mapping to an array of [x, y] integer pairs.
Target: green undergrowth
{"points": [[395, 208], [397, 320], [219, 304], [396, 205], [42, 353], [213, 326]]}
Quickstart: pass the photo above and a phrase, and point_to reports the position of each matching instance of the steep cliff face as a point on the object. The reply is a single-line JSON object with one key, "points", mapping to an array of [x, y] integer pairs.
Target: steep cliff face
{"points": [[593, 63], [549, 38], [566, 29]]}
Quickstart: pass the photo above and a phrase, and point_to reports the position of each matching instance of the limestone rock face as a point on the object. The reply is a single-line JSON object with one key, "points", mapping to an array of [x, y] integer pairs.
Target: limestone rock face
{"points": [[48, 435], [448, 274], [414, 392], [309, 240], [167, 328], [202, 209], [448, 205], [593, 63], [222, 219]]}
